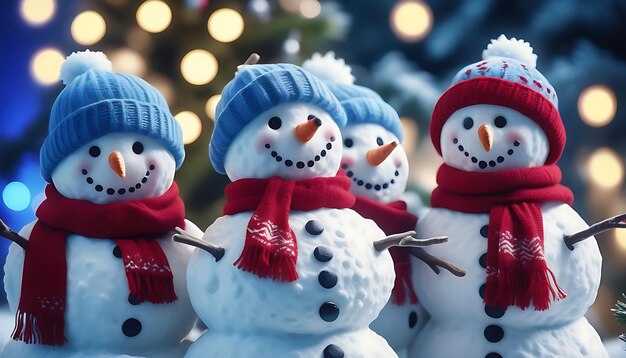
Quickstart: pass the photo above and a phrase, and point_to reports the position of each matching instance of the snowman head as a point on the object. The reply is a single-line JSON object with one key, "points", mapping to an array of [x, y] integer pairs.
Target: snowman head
{"points": [[499, 114], [112, 137], [276, 120]]}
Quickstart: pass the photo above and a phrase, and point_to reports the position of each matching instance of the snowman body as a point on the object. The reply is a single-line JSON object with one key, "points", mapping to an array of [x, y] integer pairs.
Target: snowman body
{"points": [[101, 319], [457, 309], [342, 285]]}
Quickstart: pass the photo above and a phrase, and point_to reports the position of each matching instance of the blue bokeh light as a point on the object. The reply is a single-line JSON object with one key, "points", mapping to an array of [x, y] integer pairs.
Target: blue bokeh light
{"points": [[16, 196]]}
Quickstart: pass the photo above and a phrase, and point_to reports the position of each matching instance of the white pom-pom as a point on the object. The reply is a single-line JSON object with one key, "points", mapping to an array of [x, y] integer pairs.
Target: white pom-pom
{"points": [[329, 68], [80, 62], [511, 48]]}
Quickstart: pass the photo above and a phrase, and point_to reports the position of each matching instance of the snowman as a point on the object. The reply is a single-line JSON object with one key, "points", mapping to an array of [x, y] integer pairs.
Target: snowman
{"points": [[507, 216], [97, 274], [379, 169], [290, 270]]}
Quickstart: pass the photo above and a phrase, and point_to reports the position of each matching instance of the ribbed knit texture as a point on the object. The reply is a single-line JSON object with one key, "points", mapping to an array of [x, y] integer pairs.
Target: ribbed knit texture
{"points": [[98, 103], [258, 88], [362, 105]]}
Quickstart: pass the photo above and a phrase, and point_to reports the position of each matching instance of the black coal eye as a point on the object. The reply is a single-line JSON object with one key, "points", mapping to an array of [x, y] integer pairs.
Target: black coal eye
{"points": [[379, 141], [94, 151], [500, 121], [137, 148], [275, 123], [468, 123], [348, 142]]}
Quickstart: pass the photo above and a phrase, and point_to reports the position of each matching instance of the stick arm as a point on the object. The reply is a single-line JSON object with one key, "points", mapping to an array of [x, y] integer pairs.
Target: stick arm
{"points": [[406, 239], [7, 233], [434, 262], [185, 237], [614, 222]]}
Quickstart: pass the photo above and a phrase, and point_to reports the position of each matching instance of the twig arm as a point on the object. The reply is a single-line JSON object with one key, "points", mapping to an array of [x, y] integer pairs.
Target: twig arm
{"points": [[614, 222], [184, 237], [434, 262], [7, 233]]}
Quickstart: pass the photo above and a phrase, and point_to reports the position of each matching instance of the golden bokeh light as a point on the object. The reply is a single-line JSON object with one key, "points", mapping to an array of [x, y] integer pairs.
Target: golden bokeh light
{"points": [[411, 132], [37, 12], [310, 8], [411, 20], [211, 105], [154, 16], [605, 168], [45, 65], [292, 6], [225, 25], [199, 67], [620, 238], [191, 125], [597, 105], [129, 61], [88, 28]]}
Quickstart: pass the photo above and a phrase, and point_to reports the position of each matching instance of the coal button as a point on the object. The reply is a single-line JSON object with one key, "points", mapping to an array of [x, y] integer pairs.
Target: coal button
{"points": [[131, 327], [412, 319], [494, 311], [483, 261], [314, 227], [133, 299], [329, 311], [117, 252], [493, 355], [333, 351], [481, 290], [484, 231], [494, 333], [327, 279], [323, 254]]}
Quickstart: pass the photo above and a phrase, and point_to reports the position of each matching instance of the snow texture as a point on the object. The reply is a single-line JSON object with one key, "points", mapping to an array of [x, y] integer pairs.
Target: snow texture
{"points": [[457, 310], [329, 68], [511, 48], [98, 304], [80, 62]]}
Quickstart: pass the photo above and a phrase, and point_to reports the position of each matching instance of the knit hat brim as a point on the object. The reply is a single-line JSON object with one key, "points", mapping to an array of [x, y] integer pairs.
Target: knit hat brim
{"points": [[106, 117], [363, 110], [497, 91]]}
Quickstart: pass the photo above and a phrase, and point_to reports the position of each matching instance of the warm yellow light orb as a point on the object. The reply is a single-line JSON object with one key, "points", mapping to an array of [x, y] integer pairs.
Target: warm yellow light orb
{"points": [[154, 16], [45, 65], [411, 20], [199, 67], [125, 60], [37, 12], [88, 28], [225, 25], [191, 125], [605, 168], [292, 6], [597, 105], [620, 238], [211, 105], [310, 8]]}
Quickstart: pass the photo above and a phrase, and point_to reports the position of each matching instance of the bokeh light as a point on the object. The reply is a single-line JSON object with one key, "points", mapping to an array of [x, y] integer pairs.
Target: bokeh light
{"points": [[292, 6], [154, 16], [411, 20], [37, 12], [88, 28], [191, 125], [16, 196], [310, 8], [199, 67], [125, 60], [620, 238], [45, 65], [225, 25], [411, 133], [211, 105], [605, 168], [597, 105]]}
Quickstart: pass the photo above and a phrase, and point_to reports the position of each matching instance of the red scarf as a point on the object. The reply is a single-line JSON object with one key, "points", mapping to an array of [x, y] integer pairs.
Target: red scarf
{"points": [[134, 226], [393, 218], [271, 249], [517, 272]]}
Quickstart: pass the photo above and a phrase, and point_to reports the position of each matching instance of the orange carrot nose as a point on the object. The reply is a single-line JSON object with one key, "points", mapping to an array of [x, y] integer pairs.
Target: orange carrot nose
{"points": [[485, 134], [116, 161], [378, 155], [306, 131]]}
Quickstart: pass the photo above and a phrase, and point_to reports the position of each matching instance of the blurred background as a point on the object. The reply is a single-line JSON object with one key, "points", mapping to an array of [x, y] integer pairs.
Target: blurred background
{"points": [[407, 50]]}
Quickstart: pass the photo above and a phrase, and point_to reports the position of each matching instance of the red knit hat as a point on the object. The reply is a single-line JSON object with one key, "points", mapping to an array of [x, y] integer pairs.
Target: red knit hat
{"points": [[506, 77]]}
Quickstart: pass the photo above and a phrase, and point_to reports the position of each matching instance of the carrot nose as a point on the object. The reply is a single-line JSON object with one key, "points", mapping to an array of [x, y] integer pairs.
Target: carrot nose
{"points": [[378, 155], [116, 161], [485, 134], [306, 131]]}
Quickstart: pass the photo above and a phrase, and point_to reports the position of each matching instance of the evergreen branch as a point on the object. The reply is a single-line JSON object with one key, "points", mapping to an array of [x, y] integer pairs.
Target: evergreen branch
{"points": [[620, 312]]}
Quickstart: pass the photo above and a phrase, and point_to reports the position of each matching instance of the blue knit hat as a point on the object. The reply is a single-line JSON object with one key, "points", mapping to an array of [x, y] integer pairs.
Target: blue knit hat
{"points": [[361, 104], [97, 102], [258, 88]]}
